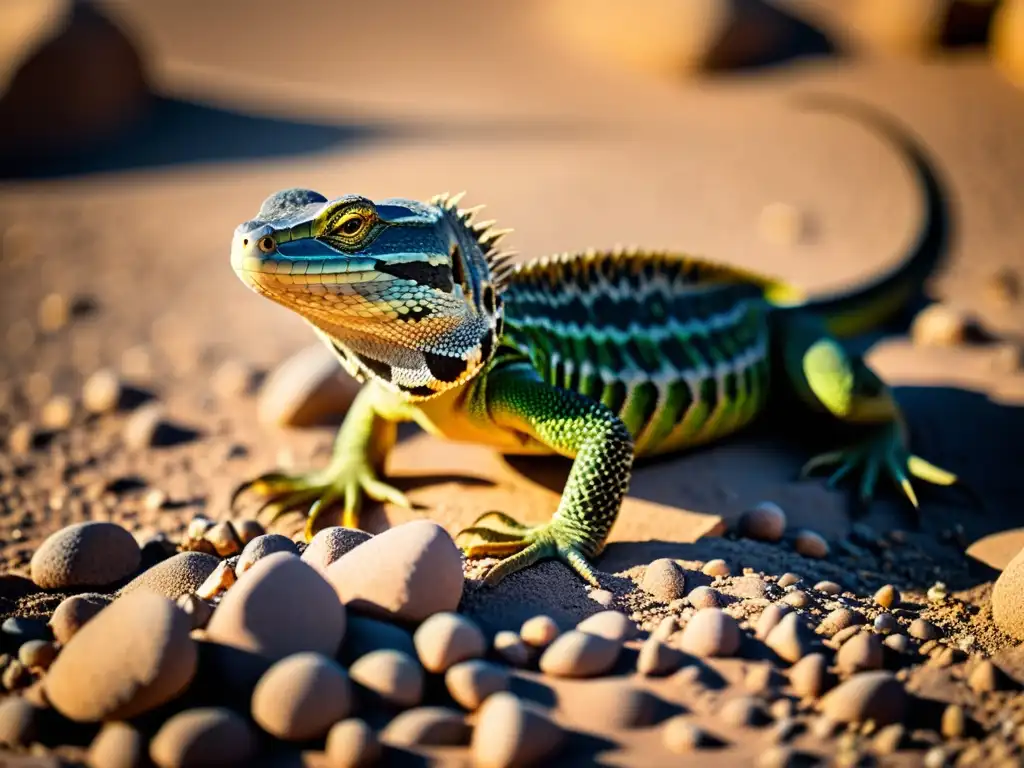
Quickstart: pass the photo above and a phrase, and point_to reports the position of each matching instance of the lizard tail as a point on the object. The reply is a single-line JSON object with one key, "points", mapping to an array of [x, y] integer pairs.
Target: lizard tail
{"points": [[871, 304]]}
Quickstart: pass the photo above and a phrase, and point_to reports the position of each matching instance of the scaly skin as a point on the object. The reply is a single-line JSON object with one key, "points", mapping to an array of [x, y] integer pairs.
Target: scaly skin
{"points": [[597, 356]]}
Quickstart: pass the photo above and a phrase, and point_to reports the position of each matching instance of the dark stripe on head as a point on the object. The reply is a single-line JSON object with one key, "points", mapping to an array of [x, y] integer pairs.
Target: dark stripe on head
{"points": [[383, 370], [444, 368], [486, 346], [438, 277], [417, 391], [489, 298]]}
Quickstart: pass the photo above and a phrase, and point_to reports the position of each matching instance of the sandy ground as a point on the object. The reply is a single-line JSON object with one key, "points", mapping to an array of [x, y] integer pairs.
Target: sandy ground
{"points": [[406, 99]]}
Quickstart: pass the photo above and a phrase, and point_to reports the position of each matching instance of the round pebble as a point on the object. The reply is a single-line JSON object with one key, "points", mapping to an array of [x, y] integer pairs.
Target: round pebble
{"points": [[876, 696], [940, 325], [985, 677], [705, 597], [19, 722], [1008, 597], [248, 529], [742, 712], [446, 639], [203, 737], [791, 639], [887, 596], [57, 413], [860, 653], [21, 629], [301, 696], [141, 428], [811, 544], [101, 392], [331, 543], [471, 682], [393, 676], [224, 539], [711, 632], [426, 726], [716, 567], [510, 732], [828, 588], [1007, 40], [579, 654], [898, 643], [921, 629], [657, 659], [133, 656], [363, 635], [93, 553], [176, 576], [769, 617], [407, 573], [765, 522], [889, 739], [539, 631], [885, 623], [260, 547], [840, 619], [510, 647], [197, 609], [749, 588], [954, 722], [664, 580], [798, 599], [352, 743], [37, 654], [278, 607], [612, 625], [788, 579], [602, 597], [810, 677], [681, 736], [118, 745]]}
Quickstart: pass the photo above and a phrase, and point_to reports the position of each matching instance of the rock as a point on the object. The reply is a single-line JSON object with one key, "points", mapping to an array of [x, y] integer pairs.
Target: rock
{"points": [[471, 682], [611, 625], [1006, 42], [716, 567], [788, 579], [614, 702], [667, 627], [118, 745], [602, 597], [331, 543], [57, 413], [260, 547], [749, 588], [828, 588], [885, 623], [539, 631], [446, 639], [101, 392], [407, 573], [705, 597], [860, 653], [769, 617], [922, 629], [15, 676], [840, 619], [280, 606], [510, 732], [133, 656], [742, 712], [765, 522], [426, 726], [811, 544], [175, 576], [580, 654], [19, 722], [305, 389], [906, 29], [810, 677], [664, 580], [898, 643], [760, 679], [681, 736], [37, 654], [887, 596], [89, 554], [657, 659], [248, 529], [17, 630], [986, 677], [301, 696], [224, 539], [232, 379], [791, 638], [363, 635], [142, 426], [510, 647], [352, 743], [218, 582], [797, 598], [876, 696], [197, 609], [711, 632], [394, 677], [940, 325], [954, 722], [890, 739], [201, 737], [1008, 598]]}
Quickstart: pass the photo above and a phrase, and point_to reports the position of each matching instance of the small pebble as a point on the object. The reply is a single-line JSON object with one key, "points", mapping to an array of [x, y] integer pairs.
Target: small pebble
{"points": [[142, 425], [937, 592], [954, 722], [765, 522], [21, 438], [232, 379], [828, 587], [890, 739], [352, 743], [510, 647], [426, 726], [53, 313], [579, 654], [705, 597], [224, 539], [19, 722], [888, 596], [711, 632], [921, 629], [985, 677], [510, 732], [769, 617], [222, 578], [840, 619], [843, 635], [57, 413], [248, 529], [201, 737], [331, 543], [72, 614], [198, 526], [396, 678], [175, 576], [798, 599], [446, 639], [37, 654], [93, 553], [742, 712], [877, 696], [101, 392], [681, 736], [716, 567], [810, 677], [860, 653], [261, 546], [664, 580], [791, 638], [602, 597], [612, 625], [940, 325], [760, 679], [666, 628], [788, 579], [898, 643], [196, 608], [657, 659], [471, 682], [301, 696], [886, 623], [154, 499], [811, 544], [936, 757], [16, 676], [539, 631], [118, 745]]}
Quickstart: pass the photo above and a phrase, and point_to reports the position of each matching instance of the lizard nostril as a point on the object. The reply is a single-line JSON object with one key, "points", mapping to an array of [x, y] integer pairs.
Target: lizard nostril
{"points": [[245, 242]]}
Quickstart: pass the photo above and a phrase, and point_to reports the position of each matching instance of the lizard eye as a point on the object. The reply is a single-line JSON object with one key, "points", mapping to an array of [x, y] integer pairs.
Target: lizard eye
{"points": [[352, 225], [267, 244]]}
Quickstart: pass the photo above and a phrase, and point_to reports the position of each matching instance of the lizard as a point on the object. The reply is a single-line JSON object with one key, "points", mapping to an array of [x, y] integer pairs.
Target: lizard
{"points": [[601, 356]]}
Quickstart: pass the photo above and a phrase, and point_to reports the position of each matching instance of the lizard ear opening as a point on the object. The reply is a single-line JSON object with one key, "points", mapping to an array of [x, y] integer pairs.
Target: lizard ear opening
{"points": [[459, 268]]}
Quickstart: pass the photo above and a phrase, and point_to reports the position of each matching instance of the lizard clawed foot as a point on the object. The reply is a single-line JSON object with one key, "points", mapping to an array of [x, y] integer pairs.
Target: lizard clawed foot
{"points": [[881, 452], [495, 534], [314, 492]]}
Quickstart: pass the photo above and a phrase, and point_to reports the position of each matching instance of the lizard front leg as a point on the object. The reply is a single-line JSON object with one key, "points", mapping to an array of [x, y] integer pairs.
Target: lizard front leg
{"points": [[827, 378], [573, 426], [360, 449]]}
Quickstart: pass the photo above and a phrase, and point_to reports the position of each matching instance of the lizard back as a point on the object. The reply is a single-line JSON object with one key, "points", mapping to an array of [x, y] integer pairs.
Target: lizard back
{"points": [[676, 346]]}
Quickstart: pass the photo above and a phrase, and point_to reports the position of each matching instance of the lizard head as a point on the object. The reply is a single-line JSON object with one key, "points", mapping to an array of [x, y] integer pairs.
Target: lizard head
{"points": [[406, 292]]}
